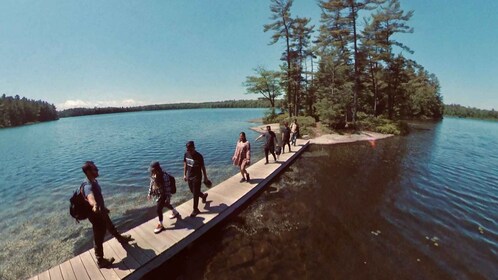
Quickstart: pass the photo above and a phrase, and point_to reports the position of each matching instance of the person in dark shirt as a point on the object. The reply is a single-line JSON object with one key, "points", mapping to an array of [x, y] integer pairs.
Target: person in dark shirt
{"points": [[270, 141], [99, 216], [286, 134], [193, 169]]}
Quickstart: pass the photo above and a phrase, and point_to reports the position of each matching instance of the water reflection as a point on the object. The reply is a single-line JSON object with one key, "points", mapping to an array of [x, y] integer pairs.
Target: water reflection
{"points": [[393, 210]]}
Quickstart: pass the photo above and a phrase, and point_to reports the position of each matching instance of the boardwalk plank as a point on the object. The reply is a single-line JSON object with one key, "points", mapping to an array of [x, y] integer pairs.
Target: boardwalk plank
{"points": [[109, 274], [91, 266], [130, 261], [158, 243], [44, 275], [119, 266], [79, 269], [142, 245], [55, 273], [67, 271]]}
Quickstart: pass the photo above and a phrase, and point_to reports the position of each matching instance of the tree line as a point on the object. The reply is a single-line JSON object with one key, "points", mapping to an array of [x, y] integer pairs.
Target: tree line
{"points": [[260, 103], [16, 111], [351, 69], [456, 110]]}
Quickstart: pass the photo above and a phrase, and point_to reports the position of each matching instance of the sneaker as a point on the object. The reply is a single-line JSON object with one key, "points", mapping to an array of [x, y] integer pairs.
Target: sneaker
{"points": [[242, 180], [195, 213], [105, 263], [174, 215], [158, 228], [125, 238], [204, 198]]}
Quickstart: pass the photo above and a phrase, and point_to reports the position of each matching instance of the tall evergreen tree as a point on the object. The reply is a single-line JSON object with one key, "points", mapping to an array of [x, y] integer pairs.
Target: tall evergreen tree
{"points": [[281, 25], [300, 45], [344, 15], [390, 20]]}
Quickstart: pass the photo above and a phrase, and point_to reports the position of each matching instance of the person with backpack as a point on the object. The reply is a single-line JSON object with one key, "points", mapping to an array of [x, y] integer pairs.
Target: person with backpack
{"points": [[162, 186], [193, 169], [99, 214]]}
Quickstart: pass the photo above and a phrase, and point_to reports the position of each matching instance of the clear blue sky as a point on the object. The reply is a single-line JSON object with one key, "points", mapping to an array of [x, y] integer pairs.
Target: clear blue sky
{"points": [[127, 53]]}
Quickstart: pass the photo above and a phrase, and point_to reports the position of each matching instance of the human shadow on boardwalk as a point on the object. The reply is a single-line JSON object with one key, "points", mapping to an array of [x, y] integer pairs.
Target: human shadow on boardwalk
{"points": [[197, 221], [136, 256]]}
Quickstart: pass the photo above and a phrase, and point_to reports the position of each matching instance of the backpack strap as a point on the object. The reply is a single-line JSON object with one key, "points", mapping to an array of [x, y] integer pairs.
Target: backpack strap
{"points": [[82, 190]]}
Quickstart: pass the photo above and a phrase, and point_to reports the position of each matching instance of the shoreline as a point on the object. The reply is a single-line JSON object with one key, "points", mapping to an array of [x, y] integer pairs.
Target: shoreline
{"points": [[332, 138]]}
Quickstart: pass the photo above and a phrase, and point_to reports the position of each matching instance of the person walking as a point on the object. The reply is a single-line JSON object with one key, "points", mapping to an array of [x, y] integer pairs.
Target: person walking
{"points": [[270, 141], [242, 156], [193, 169], [160, 187], [99, 216], [294, 132], [286, 134]]}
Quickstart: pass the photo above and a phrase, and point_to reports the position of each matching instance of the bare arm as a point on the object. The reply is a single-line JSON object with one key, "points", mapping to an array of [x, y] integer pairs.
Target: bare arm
{"points": [[91, 199], [204, 173], [185, 171]]}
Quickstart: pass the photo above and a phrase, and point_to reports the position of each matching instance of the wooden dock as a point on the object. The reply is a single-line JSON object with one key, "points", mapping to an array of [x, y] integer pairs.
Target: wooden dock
{"points": [[150, 250]]}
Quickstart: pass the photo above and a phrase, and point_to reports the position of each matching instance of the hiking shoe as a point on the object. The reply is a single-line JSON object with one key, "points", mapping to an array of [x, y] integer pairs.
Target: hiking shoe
{"points": [[204, 198], [195, 213], [174, 215], [158, 228], [105, 263], [125, 238]]}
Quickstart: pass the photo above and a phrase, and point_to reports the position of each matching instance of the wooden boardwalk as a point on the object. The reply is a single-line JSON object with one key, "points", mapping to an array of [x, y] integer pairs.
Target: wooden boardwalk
{"points": [[150, 250]]}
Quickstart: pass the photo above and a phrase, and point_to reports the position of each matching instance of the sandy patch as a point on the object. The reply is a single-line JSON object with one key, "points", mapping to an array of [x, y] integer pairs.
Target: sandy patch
{"points": [[334, 138]]}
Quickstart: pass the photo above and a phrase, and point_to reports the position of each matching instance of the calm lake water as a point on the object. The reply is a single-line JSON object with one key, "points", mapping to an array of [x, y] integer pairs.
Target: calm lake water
{"points": [[41, 167], [423, 206]]}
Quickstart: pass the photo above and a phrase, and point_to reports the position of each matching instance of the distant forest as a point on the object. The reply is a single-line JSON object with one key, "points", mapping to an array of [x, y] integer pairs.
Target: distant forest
{"points": [[16, 111], [219, 104], [456, 110]]}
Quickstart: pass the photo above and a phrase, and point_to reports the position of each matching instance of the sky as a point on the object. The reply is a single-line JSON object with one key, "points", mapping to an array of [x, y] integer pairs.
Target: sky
{"points": [[129, 53]]}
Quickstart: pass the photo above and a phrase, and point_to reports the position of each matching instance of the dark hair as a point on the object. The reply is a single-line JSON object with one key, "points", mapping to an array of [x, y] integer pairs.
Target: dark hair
{"points": [[89, 165], [155, 167], [244, 135], [189, 144]]}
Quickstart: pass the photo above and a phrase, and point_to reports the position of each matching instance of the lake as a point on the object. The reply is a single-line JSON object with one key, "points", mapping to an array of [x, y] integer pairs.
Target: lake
{"points": [[424, 206], [41, 167]]}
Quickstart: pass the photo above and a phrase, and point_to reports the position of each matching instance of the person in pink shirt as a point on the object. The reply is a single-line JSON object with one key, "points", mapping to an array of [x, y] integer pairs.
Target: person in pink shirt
{"points": [[242, 156]]}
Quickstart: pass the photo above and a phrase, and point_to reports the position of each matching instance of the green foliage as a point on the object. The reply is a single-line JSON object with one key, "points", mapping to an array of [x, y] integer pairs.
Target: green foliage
{"points": [[306, 123], [16, 111], [469, 112], [382, 125], [358, 70], [266, 83]]}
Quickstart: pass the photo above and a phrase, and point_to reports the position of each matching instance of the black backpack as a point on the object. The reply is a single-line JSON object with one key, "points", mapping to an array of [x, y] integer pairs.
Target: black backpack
{"points": [[172, 184], [79, 208]]}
